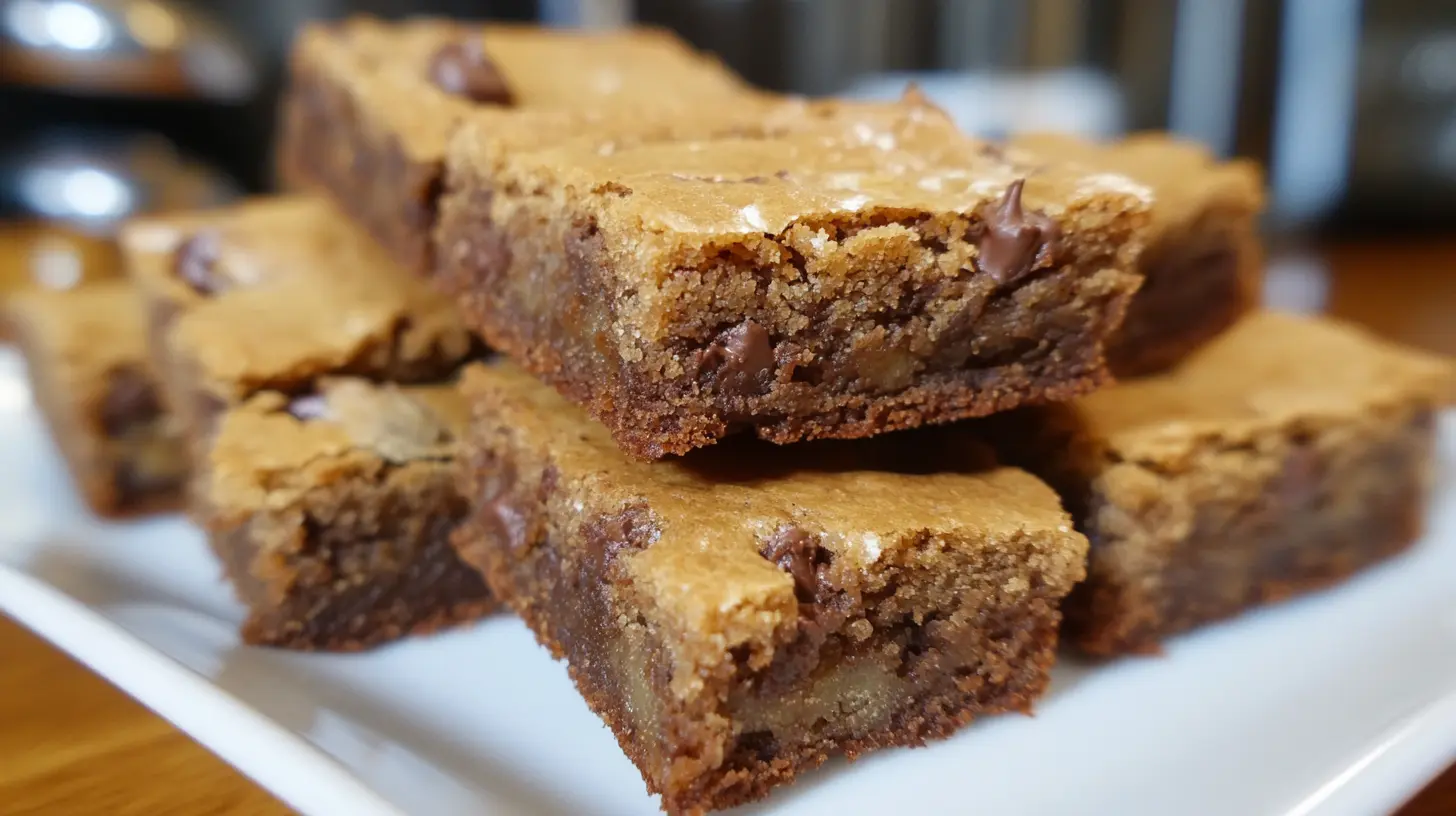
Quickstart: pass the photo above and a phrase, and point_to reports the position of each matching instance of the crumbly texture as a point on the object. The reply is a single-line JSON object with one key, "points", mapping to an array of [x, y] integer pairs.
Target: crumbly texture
{"points": [[1284, 456], [86, 352], [332, 512], [372, 105], [1201, 268], [739, 615], [858, 270], [275, 293]]}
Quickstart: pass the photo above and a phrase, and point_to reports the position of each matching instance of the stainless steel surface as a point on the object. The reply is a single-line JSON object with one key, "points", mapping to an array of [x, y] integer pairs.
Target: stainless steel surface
{"points": [[133, 47], [95, 181]]}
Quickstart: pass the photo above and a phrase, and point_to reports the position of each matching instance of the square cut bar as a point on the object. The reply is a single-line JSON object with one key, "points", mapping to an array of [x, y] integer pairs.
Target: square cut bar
{"points": [[1201, 268], [89, 373], [273, 294], [739, 615], [332, 533], [332, 514], [1282, 457], [372, 105], [840, 275]]}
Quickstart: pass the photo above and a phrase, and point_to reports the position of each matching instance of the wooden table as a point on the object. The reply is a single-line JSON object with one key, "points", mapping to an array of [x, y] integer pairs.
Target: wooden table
{"points": [[71, 744]]}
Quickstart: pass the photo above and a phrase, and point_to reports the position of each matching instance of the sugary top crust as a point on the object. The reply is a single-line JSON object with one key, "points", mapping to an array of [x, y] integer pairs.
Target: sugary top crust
{"points": [[296, 292], [846, 159], [714, 510], [1270, 370], [387, 66], [1186, 180], [273, 448]]}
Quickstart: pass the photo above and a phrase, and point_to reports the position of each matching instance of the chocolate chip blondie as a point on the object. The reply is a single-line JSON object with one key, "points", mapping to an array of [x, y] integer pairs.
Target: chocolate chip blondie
{"points": [[741, 614], [843, 276], [1283, 456], [318, 493], [86, 352], [1201, 266], [372, 105], [332, 512], [274, 293]]}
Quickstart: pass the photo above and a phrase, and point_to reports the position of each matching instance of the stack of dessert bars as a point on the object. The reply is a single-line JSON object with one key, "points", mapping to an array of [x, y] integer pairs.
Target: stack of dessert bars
{"points": [[789, 425]]}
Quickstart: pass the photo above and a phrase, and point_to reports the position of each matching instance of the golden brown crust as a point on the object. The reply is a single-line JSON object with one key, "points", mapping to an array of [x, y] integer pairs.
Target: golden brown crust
{"points": [[364, 121], [269, 270]]}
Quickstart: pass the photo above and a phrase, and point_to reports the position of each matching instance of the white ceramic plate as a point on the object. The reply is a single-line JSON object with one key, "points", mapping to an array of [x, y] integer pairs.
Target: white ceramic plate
{"points": [[1341, 703]]}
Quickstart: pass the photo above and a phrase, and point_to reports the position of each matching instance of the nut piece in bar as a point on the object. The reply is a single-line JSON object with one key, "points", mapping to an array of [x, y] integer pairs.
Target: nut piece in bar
{"points": [[275, 293], [332, 512], [1202, 262], [1282, 457], [86, 352], [372, 104], [841, 273], [741, 614]]}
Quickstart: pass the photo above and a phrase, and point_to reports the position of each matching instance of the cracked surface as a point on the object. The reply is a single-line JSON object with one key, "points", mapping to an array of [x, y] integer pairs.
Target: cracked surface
{"points": [[368, 118], [1202, 265], [334, 528], [274, 293], [1283, 456], [741, 614], [86, 353], [901, 272]]}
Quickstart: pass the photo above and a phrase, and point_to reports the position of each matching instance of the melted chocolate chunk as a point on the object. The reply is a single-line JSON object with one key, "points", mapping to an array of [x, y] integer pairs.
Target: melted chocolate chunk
{"points": [[131, 400], [1016, 241], [741, 359], [795, 552], [195, 261], [463, 69]]}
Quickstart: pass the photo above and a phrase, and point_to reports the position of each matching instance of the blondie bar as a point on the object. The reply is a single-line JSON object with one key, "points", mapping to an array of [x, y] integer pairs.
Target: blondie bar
{"points": [[274, 293], [1283, 456], [372, 104], [841, 274], [1201, 266], [86, 352], [741, 614], [332, 511]]}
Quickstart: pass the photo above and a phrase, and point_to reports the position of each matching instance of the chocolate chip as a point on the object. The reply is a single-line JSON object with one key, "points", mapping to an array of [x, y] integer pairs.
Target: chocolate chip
{"points": [[795, 552], [1015, 241], [195, 261], [463, 69], [742, 360], [131, 400], [309, 407]]}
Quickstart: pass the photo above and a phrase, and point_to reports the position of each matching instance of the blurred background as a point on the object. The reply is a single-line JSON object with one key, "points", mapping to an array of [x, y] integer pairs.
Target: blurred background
{"points": [[112, 107]]}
